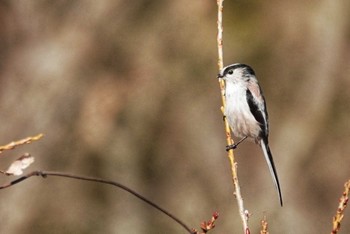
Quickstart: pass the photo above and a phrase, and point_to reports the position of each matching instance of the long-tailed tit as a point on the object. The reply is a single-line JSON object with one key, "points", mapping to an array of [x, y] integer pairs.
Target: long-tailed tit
{"points": [[246, 112]]}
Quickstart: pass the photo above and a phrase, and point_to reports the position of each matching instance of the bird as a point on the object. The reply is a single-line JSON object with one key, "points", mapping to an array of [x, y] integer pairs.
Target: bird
{"points": [[246, 113]]}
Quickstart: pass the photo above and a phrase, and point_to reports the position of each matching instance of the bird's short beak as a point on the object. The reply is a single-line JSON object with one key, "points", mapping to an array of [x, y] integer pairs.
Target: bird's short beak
{"points": [[220, 76]]}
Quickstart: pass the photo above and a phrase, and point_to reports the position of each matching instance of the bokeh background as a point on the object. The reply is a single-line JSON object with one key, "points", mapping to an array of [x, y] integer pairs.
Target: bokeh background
{"points": [[127, 90]]}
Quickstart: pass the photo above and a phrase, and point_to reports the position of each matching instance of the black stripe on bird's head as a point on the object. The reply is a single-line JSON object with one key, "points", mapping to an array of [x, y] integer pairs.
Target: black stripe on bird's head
{"points": [[245, 70]]}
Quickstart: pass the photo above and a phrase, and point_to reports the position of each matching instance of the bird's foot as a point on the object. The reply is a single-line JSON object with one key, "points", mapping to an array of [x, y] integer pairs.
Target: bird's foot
{"points": [[234, 146], [230, 147]]}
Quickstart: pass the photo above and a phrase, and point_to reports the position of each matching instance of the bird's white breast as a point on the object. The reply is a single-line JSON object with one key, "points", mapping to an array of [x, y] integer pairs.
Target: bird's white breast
{"points": [[237, 111]]}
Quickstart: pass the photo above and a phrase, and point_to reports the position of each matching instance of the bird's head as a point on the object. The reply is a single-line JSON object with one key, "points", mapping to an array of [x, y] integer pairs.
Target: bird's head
{"points": [[236, 71]]}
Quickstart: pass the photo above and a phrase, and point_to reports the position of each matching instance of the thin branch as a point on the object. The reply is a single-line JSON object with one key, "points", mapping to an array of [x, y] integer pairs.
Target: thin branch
{"points": [[45, 174], [343, 201], [244, 214], [264, 226], [14, 144], [220, 32]]}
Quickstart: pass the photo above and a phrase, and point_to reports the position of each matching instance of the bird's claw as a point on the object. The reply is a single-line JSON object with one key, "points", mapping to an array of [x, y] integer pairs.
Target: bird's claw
{"points": [[234, 146], [230, 147]]}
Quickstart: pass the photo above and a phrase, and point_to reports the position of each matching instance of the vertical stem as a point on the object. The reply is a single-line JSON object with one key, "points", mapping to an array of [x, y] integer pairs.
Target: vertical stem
{"points": [[220, 31], [243, 213]]}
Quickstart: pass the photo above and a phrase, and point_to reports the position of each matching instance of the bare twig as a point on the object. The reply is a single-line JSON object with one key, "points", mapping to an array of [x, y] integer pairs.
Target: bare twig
{"points": [[219, 37], [14, 144], [242, 211], [45, 174], [343, 201], [264, 226]]}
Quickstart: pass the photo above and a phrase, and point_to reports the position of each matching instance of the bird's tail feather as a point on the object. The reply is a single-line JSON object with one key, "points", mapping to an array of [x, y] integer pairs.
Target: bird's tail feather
{"points": [[268, 156]]}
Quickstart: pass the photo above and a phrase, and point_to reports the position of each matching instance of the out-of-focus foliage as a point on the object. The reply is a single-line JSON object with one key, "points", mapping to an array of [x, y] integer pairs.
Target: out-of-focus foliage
{"points": [[127, 90]]}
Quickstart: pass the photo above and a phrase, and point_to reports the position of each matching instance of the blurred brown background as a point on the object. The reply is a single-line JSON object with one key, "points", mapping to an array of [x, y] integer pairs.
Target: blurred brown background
{"points": [[127, 90]]}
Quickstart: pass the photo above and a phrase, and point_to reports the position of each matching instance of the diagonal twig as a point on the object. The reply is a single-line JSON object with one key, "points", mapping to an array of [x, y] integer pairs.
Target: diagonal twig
{"points": [[343, 201], [45, 174], [14, 144]]}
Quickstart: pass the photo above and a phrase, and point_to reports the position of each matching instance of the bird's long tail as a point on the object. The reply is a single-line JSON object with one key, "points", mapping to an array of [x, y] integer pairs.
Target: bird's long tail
{"points": [[268, 156]]}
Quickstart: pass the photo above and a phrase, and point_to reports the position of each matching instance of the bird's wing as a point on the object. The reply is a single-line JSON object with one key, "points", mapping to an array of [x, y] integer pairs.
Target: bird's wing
{"points": [[258, 109]]}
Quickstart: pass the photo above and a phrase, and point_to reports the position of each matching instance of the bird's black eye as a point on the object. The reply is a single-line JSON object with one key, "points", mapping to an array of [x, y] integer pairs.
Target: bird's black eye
{"points": [[230, 72]]}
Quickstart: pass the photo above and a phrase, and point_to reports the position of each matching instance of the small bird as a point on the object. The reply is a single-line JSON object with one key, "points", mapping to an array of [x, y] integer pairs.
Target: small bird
{"points": [[246, 112]]}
